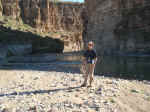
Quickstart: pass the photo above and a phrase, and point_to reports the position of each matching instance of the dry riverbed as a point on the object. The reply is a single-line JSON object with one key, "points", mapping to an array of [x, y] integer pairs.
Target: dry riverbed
{"points": [[51, 91]]}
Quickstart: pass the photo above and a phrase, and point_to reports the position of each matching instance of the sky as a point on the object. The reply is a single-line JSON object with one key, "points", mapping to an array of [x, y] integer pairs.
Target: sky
{"points": [[74, 0]]}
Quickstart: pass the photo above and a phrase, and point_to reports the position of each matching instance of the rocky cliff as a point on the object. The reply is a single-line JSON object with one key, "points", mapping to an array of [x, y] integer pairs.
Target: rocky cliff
{"points": [[61, 18], [118, 26], [1, 8], [52, 16]]}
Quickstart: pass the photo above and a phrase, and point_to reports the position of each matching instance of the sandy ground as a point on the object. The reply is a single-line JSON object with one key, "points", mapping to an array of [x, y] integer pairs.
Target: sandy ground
{"points": [[52, 91]]}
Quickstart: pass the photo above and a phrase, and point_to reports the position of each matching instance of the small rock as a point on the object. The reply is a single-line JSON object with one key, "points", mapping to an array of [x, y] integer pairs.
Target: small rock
{"points": [[114, 82], [65, 84], [86, 103], [52, 110], [146, 82], [32, 108], [76, 95], [90, 110], [6, 110], [99, 91], [35, 78], [73, 79], [105, 102]]}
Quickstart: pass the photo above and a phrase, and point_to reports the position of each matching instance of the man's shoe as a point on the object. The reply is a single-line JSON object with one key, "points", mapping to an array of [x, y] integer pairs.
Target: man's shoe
{"points": [[83, 85], [89, 86]]}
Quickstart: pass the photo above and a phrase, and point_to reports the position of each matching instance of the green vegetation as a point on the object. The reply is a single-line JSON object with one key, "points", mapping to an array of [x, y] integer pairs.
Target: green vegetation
{"points": [[148, 98], [134, 91], [14, 24], [112, 100]]}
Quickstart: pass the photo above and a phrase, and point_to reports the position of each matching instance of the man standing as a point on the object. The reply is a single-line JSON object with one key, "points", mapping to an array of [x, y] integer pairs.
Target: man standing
{"points": [[89, 62]]}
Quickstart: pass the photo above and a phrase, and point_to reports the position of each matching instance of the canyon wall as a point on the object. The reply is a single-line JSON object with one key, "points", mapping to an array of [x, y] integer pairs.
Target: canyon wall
{"points": [[119, 27], [1, 8], [52, 17], [65, 19], [11, 8]]}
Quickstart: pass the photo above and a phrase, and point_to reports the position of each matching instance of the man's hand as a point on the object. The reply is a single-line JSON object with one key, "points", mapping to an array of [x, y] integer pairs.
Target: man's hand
{"points": [[95, 60]]}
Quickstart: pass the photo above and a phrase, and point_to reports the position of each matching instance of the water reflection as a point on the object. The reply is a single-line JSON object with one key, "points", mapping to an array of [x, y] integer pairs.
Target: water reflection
{"points": [[128, 67], [125, 67]]}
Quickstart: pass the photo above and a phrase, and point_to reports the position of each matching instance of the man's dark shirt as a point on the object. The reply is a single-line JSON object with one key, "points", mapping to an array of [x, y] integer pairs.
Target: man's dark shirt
{"points": [[90, 55]]}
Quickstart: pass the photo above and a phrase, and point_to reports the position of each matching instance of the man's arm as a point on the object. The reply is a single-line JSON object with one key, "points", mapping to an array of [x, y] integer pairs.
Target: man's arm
{"points": [[95, 56]]}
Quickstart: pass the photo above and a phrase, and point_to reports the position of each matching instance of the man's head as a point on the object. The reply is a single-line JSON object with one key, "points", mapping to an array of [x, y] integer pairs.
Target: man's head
{"points": [[90, 45]]}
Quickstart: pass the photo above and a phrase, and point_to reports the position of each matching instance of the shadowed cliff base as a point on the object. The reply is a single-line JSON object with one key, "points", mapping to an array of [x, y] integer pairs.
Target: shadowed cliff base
{"points": [[39, 44]]}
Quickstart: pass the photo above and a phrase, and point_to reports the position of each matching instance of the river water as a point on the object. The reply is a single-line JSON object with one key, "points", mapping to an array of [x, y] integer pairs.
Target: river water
{"points": [[130, 67]]}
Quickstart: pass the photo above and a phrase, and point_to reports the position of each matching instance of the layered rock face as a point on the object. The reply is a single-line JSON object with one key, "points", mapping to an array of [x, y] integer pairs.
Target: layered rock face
{"points": [[60, 17], [52, 17], [118, 26], [11, 8], [1, 9], [45, 16]]}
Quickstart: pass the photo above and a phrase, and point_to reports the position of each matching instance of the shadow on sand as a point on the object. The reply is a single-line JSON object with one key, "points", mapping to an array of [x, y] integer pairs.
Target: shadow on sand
{"points": [[39, 91]]}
